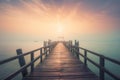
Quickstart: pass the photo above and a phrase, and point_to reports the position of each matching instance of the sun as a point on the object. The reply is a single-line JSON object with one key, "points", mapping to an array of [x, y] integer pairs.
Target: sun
{"points": [[59, 29]]}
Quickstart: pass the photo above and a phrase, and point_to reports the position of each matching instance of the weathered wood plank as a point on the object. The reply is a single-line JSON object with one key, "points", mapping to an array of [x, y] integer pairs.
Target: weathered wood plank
{"points": [[59, 78], [61, 65]]}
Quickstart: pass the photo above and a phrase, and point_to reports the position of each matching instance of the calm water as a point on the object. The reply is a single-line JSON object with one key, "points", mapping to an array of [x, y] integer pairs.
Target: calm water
{"points": [[110, 49], [8, 49]]}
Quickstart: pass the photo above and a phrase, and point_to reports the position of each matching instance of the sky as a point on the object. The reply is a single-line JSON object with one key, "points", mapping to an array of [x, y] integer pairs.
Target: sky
{"points": [[49, 19]]}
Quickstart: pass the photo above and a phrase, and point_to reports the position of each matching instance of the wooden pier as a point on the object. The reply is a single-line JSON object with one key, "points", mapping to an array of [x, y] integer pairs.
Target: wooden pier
{"points": [[61, 65], [60, 61]]}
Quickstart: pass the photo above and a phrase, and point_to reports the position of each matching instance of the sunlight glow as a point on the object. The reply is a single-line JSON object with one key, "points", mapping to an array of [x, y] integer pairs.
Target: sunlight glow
{"points": [[59, 28], [43, 20]]}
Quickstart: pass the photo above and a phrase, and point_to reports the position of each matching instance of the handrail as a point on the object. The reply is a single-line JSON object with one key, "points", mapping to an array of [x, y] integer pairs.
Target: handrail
{"points": [[97, 54], [43, 51], [21, 69], [73, 48], [76, 49], [110, 59], [15, 57]]}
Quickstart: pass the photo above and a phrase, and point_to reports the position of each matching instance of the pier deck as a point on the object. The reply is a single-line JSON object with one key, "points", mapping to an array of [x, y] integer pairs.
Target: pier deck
{"points": [[61, 64]]}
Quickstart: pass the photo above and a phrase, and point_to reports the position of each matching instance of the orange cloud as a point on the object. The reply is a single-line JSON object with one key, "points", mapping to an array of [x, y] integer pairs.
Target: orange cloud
{"points": [[39, 19]]}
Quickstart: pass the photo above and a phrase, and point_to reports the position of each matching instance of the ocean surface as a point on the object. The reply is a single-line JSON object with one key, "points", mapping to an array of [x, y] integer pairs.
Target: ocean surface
{"points": [[109, 49], [8, 49]]}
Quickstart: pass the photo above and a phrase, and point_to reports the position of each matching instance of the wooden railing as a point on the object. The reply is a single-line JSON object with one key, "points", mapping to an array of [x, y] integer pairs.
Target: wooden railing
{"points": [[44, 51], [102, 70], [20, 56]]}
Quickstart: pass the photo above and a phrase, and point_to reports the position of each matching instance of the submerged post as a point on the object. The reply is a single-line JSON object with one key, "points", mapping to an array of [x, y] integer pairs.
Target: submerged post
{"points": [[22, 62]]}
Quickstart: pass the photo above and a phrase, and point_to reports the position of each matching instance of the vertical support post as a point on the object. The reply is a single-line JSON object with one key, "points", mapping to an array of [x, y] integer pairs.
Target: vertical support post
{"points": [[75, 42], [49, 49], [45, 51], [32, 58], [102, 62], [73, 49], [41, 55], [77, 46], [68, 45], [22, 62], [85, 57], [79, 50], [77, 53], [71, 45]]}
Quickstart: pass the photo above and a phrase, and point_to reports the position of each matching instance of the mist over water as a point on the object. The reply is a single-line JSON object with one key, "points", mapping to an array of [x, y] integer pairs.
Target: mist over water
{"points": [[95, 23], [8, 49], [109, 49]]}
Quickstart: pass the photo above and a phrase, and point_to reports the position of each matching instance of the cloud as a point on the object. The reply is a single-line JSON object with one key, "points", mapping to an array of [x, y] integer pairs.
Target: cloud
{"points": [[79, 17]]}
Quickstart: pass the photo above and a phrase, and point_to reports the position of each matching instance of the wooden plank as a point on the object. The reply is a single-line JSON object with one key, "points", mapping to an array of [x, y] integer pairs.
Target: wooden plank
{"points": [[41, 78], [61, 74], [61, 65], [58, 78]]}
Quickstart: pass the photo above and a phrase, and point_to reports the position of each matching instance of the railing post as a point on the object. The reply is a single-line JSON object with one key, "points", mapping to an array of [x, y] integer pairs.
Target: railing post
{"points": [[85, 57], [41, 55], [73, 50], [22, 62], [102, 62], [76, 48], [71, 46], [45, 51], [49, 49], [77, 53], [32, 58]]}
